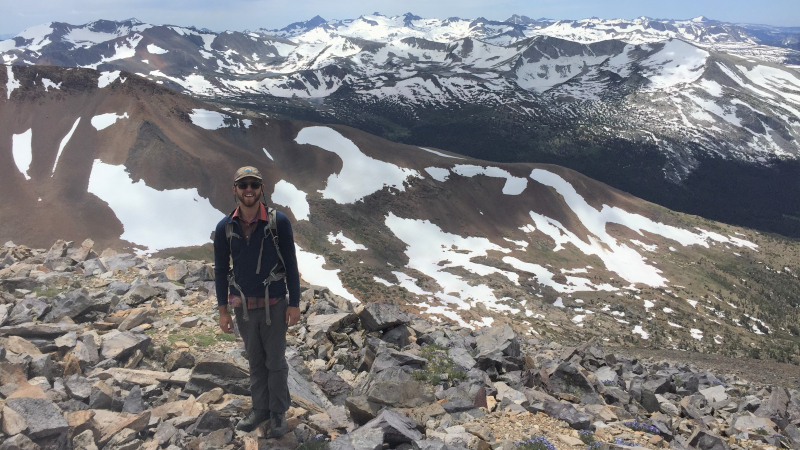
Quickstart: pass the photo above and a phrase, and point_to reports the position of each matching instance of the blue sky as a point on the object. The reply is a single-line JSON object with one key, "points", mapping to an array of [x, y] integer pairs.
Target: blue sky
{"points": [[221, 15]]}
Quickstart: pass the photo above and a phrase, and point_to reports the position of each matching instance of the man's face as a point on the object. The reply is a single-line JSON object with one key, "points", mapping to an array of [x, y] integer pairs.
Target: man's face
{"points": [[247, 191]]}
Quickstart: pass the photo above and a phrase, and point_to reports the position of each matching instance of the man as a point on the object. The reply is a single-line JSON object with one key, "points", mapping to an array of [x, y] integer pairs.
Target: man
{"points": [[256, 287]]}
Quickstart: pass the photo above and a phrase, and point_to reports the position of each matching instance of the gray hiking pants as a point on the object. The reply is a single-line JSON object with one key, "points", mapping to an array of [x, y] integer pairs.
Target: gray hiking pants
{"points": [[266, 349]]}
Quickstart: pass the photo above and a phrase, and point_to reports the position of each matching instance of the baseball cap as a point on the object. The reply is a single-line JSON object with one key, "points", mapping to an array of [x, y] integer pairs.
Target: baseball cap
{"points": [[245, 172]]}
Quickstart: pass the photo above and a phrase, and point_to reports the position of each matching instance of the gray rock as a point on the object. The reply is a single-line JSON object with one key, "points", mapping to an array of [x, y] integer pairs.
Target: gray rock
{"points": [[73, 304], [217, 370], [13, 284], [397, 388], [133, 402], [382, 316], [458, 405], [179, 359], [361, 409], [93, 265], [39, 330], [461, 357], [137, 317], [118, 287], [391, 358], [121, 261], [607, 376], [331, 322], [43, 366], [397, 428], [84, 441], [493, 339], [28, 310], [164, 433], [67, 341], [567, 413], [774, 407], [436, 444], [43, 417], [714, 394], [101, 396], [141, 294], [361, 439], [569, 379], [750, 404], [20, 442], [78, 387], [704, 440], [207, 422], [121, 345], [399, 336], [4, 310], [333, 385], [86, 351]]}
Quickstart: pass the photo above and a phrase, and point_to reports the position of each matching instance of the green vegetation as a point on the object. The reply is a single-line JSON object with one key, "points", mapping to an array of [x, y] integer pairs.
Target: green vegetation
{"points": [[439, 365]]}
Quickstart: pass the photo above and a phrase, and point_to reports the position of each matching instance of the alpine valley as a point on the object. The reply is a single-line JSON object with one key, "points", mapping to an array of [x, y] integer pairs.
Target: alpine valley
{"points": [[696, 115], [120, 159]]}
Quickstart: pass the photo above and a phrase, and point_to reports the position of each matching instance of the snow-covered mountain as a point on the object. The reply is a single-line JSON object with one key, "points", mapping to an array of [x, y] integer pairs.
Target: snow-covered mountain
{"points": [[664, 94], [119, 159]]}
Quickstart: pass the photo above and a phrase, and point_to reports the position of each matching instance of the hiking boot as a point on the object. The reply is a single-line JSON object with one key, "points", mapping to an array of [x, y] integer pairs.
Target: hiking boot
{"points": [[278, 426], [252, 420]]}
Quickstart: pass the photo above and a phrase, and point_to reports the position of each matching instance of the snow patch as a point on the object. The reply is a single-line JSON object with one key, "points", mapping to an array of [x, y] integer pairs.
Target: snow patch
{"points": [[156, 50], [103, 121], [361, 175], [64, 144], [210, 120], [148, 215], [22, 151], [268, 155], [696, 334], [12, 82], [288, 195], [106, 78], [514, 185], [348, 245], [312, 272], [440, 153], [47, 83], [438, 173], [638, 330]]}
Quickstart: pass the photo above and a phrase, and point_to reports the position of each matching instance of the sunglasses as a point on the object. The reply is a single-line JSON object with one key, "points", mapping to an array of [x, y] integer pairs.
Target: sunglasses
{"points": [[253, 184]]}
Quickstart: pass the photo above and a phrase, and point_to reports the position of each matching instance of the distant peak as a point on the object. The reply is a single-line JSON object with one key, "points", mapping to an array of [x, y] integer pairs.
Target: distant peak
{"points": [[134, 21], [408, 16], [700, 19]]}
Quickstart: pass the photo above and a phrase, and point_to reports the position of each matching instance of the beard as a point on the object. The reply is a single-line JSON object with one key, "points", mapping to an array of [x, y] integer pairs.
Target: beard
{"points": [[248, 202]]}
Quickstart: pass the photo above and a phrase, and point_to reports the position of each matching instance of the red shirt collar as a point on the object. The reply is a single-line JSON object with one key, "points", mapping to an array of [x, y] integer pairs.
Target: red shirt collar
{"points": [[262, 213]]}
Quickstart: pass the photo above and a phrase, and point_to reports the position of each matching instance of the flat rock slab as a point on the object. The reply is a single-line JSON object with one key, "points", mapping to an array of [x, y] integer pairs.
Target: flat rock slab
{"points": [[330, 322], [397, 428], [43, 330], [42, 416], [714, 394], [122, 345]]}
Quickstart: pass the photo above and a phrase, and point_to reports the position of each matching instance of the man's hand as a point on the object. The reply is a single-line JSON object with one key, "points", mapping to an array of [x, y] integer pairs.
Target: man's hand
{"points": [[225, 320], [292, 315]]}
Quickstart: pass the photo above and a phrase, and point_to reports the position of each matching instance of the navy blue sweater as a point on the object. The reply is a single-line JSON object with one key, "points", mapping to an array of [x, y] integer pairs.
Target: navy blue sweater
{"points": [[245, 260]]}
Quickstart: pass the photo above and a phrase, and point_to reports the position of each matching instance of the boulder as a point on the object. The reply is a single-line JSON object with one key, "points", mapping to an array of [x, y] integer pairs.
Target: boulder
{"points": [[382, 316], [361, 409], [361, 439], [101, 396], [397, 428], [177, 272], [72, 305], [133, 402], [140, 294], [396, 387], [714, 394], [28, 310], [118, 287], [121, 261], [93, 267], [461, 357], [391, 358], [567, 413], [704, 440], [78, 387], [42, 416], [138, 316], [399, 336], [121, 345], [207, 422], [330, 322], [86, 352], [179, 359], [39, 330], [333, 385], [21, 442], [775, 406], [502, 339], [214, 370]]}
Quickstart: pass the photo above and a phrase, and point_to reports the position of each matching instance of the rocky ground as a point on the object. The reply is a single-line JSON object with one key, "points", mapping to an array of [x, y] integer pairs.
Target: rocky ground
{"points": [[117, 351]]}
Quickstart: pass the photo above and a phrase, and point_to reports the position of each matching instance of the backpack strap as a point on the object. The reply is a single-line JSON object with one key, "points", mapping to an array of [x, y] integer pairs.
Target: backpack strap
{"points": [[278, 271], [229, 234]]}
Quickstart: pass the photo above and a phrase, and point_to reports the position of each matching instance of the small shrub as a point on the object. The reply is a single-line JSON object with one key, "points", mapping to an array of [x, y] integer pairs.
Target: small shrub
{"points": [[535, 443], [619, 441], [761, 431], [317, 443], [587, 437]]}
